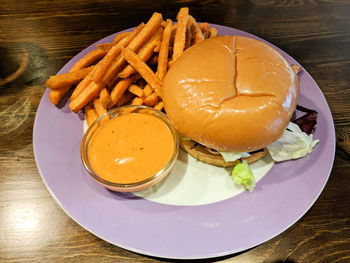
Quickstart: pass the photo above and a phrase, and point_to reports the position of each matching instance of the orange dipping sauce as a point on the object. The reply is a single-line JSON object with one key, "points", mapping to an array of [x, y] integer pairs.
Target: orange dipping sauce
{"points": [[130, 148]]}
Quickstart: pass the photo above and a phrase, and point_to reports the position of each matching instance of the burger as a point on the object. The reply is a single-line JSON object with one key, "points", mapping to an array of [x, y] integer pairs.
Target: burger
{"points": [[230, 98]]}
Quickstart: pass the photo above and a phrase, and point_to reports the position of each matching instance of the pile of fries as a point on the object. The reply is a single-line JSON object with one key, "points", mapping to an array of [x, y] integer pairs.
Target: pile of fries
{"points": [[131, 69]]}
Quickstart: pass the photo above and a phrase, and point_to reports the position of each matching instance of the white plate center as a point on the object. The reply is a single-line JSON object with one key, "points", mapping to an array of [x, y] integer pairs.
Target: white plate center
{"points": [[193, 182]]}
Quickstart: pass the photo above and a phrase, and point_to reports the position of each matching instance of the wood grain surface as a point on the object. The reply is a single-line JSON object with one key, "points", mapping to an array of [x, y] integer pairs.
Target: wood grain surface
{"points": [[38, 37]]}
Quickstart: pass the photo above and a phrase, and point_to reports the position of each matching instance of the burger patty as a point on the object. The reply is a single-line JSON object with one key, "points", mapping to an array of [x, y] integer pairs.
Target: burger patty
{"points": [[201, 153]]}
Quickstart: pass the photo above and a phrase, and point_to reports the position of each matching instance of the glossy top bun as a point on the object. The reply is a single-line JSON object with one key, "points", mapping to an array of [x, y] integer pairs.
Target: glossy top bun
{"points": [[231, 93]]}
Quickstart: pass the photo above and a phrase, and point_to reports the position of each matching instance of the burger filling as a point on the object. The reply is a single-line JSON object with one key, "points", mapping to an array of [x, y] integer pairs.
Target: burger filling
{"points": [[296, 142]]}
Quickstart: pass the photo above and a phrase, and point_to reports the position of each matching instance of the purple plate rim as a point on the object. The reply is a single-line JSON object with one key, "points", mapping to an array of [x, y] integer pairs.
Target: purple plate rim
{"points": [[245, 197]]}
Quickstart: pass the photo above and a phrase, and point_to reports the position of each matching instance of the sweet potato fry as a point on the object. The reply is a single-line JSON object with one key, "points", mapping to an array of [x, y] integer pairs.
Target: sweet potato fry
{"points": [[213, 32], [120, 36], [163, 24], [150, 28], [147, 90], [154, 40], [204, 27], [159, 106], [197, 35], [99, 107], [105, 46], [126, 98], [119, 61], [131, 36], [151, 100], [88, 59], [143, 69], [144, 53], [112, 82], [134, 40], [133, 88], [139, 39], [103, 65], [56, 95], [164, 51], [96, 74], [105, 97], [90, 114], [137, 101], [173, 33], [124, 68], [66, 79], [90, 92], [112, 71], [157, 46], [180, 36], [119, 89], [80, 87]]}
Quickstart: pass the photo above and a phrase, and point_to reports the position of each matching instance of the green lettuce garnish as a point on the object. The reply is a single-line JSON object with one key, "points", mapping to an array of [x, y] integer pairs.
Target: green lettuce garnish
{"points": [[293, 144], [243, 175], [233, 156]]}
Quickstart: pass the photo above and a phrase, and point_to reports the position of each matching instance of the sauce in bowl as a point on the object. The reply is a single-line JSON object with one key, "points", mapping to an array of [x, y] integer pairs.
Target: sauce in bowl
{"points": [[130, 149]]}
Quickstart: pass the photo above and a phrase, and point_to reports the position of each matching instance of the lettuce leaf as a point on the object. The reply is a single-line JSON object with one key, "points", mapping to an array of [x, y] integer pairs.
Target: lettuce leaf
{"points": [[232, 156], [293, 144], [242, 174]]}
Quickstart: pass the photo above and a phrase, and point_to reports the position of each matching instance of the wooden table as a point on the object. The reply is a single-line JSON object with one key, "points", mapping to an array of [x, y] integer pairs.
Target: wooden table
{"points": [[35, 229]]}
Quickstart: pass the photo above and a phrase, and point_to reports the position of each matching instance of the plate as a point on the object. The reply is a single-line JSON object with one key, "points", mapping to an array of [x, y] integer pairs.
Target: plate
{"points": [[219, 228]]}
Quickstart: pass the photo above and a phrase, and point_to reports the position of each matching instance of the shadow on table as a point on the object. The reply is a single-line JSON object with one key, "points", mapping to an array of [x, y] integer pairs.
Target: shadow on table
{"points": [[216, 259]]}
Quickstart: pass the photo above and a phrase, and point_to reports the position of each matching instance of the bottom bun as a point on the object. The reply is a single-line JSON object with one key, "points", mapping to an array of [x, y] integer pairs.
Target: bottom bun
{"points": [[201, 153]]}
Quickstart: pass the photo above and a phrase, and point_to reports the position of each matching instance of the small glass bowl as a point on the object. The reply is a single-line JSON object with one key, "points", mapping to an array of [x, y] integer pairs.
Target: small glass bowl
{"points": [[137, 186]]}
